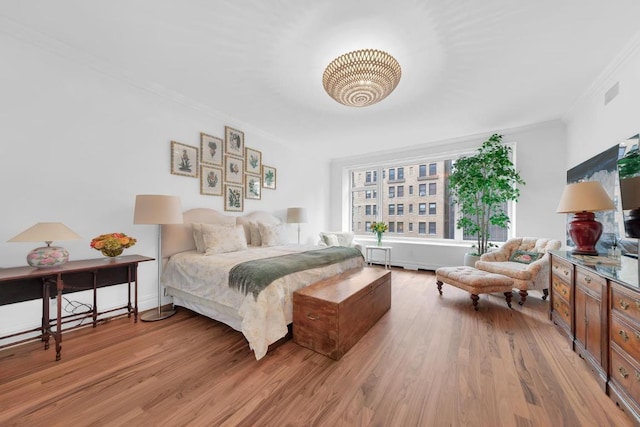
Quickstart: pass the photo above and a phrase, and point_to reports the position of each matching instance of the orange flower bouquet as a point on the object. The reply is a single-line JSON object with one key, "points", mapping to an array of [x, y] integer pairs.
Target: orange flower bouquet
{"points": [[112, 244]]}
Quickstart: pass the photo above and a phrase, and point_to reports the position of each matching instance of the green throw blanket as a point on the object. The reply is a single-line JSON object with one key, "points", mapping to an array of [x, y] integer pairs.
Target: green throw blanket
{"points": [[254, 276]]}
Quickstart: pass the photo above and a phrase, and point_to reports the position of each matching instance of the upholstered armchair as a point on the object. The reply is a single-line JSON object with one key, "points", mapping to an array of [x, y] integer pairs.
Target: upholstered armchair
{"points": [[339, 238], [523, 259]]}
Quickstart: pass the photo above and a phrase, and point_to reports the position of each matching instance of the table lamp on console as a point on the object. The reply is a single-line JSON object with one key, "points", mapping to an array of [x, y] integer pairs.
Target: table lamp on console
{"points": [[47, 256], [583, 199]]}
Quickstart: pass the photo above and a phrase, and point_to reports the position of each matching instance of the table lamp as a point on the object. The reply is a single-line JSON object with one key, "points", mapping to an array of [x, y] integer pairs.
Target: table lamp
{"points": [[297, 216], [47, 256], [582, 199], [157, 209]]}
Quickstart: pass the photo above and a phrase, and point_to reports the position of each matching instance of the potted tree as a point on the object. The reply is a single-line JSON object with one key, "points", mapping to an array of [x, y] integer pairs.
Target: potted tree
{"points": [[481, 185]]}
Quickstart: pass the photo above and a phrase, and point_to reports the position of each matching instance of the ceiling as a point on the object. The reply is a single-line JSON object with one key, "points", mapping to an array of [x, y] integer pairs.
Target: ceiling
{"points": [[468, 66]]}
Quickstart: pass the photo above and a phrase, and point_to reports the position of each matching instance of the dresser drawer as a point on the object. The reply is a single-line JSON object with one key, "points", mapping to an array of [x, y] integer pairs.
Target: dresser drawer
{"points": [[625, 372], [562, 308], [590, 280], [560, 288], [563, 269], [625, 301], [626, 334]]}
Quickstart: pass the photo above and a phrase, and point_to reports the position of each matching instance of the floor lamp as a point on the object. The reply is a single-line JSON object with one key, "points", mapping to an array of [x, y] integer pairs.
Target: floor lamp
{"points": [[157, 209], [297, 216]]}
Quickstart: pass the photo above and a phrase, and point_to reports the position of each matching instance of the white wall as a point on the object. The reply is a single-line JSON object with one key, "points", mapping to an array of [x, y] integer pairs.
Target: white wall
{"points": [[592, 126], [540, 158], [78, 145]]}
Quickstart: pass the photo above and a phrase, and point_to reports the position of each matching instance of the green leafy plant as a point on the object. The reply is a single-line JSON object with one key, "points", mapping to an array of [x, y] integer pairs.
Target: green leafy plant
{"points": [[481, 185]]}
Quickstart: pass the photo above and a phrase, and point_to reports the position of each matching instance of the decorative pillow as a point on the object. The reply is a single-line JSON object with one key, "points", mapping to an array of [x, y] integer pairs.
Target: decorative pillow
{"points": [[197, 237], [525, 257], [220, 238], [331, 240], [345, 238], [254, 231], [273, 235]]}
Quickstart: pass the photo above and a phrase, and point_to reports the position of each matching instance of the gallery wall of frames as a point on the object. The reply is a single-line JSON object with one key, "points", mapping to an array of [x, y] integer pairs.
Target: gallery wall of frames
{"points": [[226, 168]]}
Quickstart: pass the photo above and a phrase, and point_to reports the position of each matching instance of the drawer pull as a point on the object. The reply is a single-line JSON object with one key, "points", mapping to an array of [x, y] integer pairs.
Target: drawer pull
{"points": [[564, 291], [566, 272], [316, 317], [623, 372], [637, 376], [638, 304], [566, 313], [624, 335], [623, 304], [638, 336], [587, 279]]}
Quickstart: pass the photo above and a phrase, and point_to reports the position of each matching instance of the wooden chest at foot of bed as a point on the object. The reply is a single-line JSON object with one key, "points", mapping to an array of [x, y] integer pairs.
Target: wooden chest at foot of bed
{"points": [[330, 316]]}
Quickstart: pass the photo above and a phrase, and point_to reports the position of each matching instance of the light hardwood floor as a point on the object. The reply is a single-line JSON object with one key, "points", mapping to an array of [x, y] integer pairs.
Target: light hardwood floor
{"points": [[430, 361]]}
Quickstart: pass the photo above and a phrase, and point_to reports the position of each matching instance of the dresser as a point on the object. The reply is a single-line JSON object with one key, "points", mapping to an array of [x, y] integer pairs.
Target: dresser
{"points": [[597, 307]]}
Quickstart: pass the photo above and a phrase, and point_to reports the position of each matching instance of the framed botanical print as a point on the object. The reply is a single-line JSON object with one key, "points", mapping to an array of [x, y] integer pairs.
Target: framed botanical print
{"points": [[252, 186], [234, 141], [210, 180], [233, 199], [268, 177], [233, 169], [211, 150], [184, 159], [253, 159]]}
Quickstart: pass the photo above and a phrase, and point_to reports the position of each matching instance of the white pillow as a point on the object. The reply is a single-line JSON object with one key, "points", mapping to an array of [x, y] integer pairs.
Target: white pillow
{"points": [[331, 240], [273, 235], [197, 237], [219, 238], [254, 230]]}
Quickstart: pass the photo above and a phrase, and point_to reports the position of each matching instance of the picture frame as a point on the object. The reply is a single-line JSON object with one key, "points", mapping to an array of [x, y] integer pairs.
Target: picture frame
{"points": [[268, 177], [253, 159], [184, 159], [211, 150], [233, 170], [234, 141], [233, 198], [211, 179], [252, 187]]}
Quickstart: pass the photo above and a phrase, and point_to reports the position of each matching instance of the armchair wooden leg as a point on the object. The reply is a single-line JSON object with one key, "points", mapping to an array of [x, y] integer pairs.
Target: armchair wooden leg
{"points": [[545, 294], [523, 297], [439, 283]]}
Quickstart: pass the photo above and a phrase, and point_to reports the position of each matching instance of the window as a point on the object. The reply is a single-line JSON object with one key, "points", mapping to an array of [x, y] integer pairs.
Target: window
{"points": [[367, 226], [422, 190], [400, 209], [375, 210], [399, 227], [433, 169], [432, 188], [410, 227], [367, 210], [392, 227], [392, 192], [371, 177], [422, 171], [411, 208], [400, 173], [400, 191], [422, 228], [422, 208], [411, 190], [432, 208], [392, 209], [368, 194], [432, 228], [392, 174]]}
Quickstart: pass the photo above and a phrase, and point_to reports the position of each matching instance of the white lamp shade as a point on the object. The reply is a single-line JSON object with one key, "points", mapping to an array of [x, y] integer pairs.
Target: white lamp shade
{"points": [[46, 232], [630, 192], [296, 215], [587, 196], [157, 209]]}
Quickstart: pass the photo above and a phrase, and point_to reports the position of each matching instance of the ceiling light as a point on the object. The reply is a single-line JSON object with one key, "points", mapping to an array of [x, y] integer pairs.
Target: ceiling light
{"points": [[362, 77]]}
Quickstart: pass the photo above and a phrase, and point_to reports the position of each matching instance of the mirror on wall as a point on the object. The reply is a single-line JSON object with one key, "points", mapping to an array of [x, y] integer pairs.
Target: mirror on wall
{"points": [[629, 186]]}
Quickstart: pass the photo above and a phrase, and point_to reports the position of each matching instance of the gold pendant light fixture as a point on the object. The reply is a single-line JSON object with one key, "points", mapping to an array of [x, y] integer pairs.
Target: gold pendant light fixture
{"points": [[362, 77]]}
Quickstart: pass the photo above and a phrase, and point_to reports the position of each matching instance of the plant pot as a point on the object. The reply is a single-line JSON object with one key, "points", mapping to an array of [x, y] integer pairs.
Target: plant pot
{"points": [[470, 259]]}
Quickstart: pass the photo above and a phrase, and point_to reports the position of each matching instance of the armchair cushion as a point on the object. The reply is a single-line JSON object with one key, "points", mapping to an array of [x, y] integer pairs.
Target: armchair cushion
{"points": [[525, 257]]}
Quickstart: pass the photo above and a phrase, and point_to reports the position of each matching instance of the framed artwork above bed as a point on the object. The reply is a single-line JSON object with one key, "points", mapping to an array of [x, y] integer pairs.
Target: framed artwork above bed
{"points": [[233, 198], [210, 180], [268, 177], [211, 150], [184, 159], [233, 169], [253, 159], [234, 141], [252, 188]]}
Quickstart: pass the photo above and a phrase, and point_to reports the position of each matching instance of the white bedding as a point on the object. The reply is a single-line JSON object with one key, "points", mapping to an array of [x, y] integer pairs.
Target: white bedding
{"points": [[263, 321]]}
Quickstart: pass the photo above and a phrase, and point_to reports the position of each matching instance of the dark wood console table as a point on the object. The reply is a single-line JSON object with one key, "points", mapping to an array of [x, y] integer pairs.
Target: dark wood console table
{"points": [[18, 284]]}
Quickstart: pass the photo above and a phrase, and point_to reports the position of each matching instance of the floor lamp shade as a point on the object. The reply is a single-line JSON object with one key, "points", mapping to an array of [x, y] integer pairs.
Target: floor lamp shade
{"points": [[157, 209], [47, 256], [582, 199], [297, 216]]}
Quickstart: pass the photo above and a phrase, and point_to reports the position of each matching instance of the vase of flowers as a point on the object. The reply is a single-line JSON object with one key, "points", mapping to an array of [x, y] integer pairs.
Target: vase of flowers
{"points": [[378, 228], [112, 244]]}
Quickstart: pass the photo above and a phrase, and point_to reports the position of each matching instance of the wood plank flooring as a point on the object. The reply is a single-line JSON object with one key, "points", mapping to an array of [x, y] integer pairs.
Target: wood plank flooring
{"points": [[430, 361]]}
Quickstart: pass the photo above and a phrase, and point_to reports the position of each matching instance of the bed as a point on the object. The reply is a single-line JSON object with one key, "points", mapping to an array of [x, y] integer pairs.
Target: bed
{"points": [[199, 280]]}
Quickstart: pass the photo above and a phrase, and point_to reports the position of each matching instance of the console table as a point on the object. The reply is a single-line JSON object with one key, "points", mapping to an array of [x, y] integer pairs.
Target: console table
{"points": [[597, 307], [19, 284]]}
